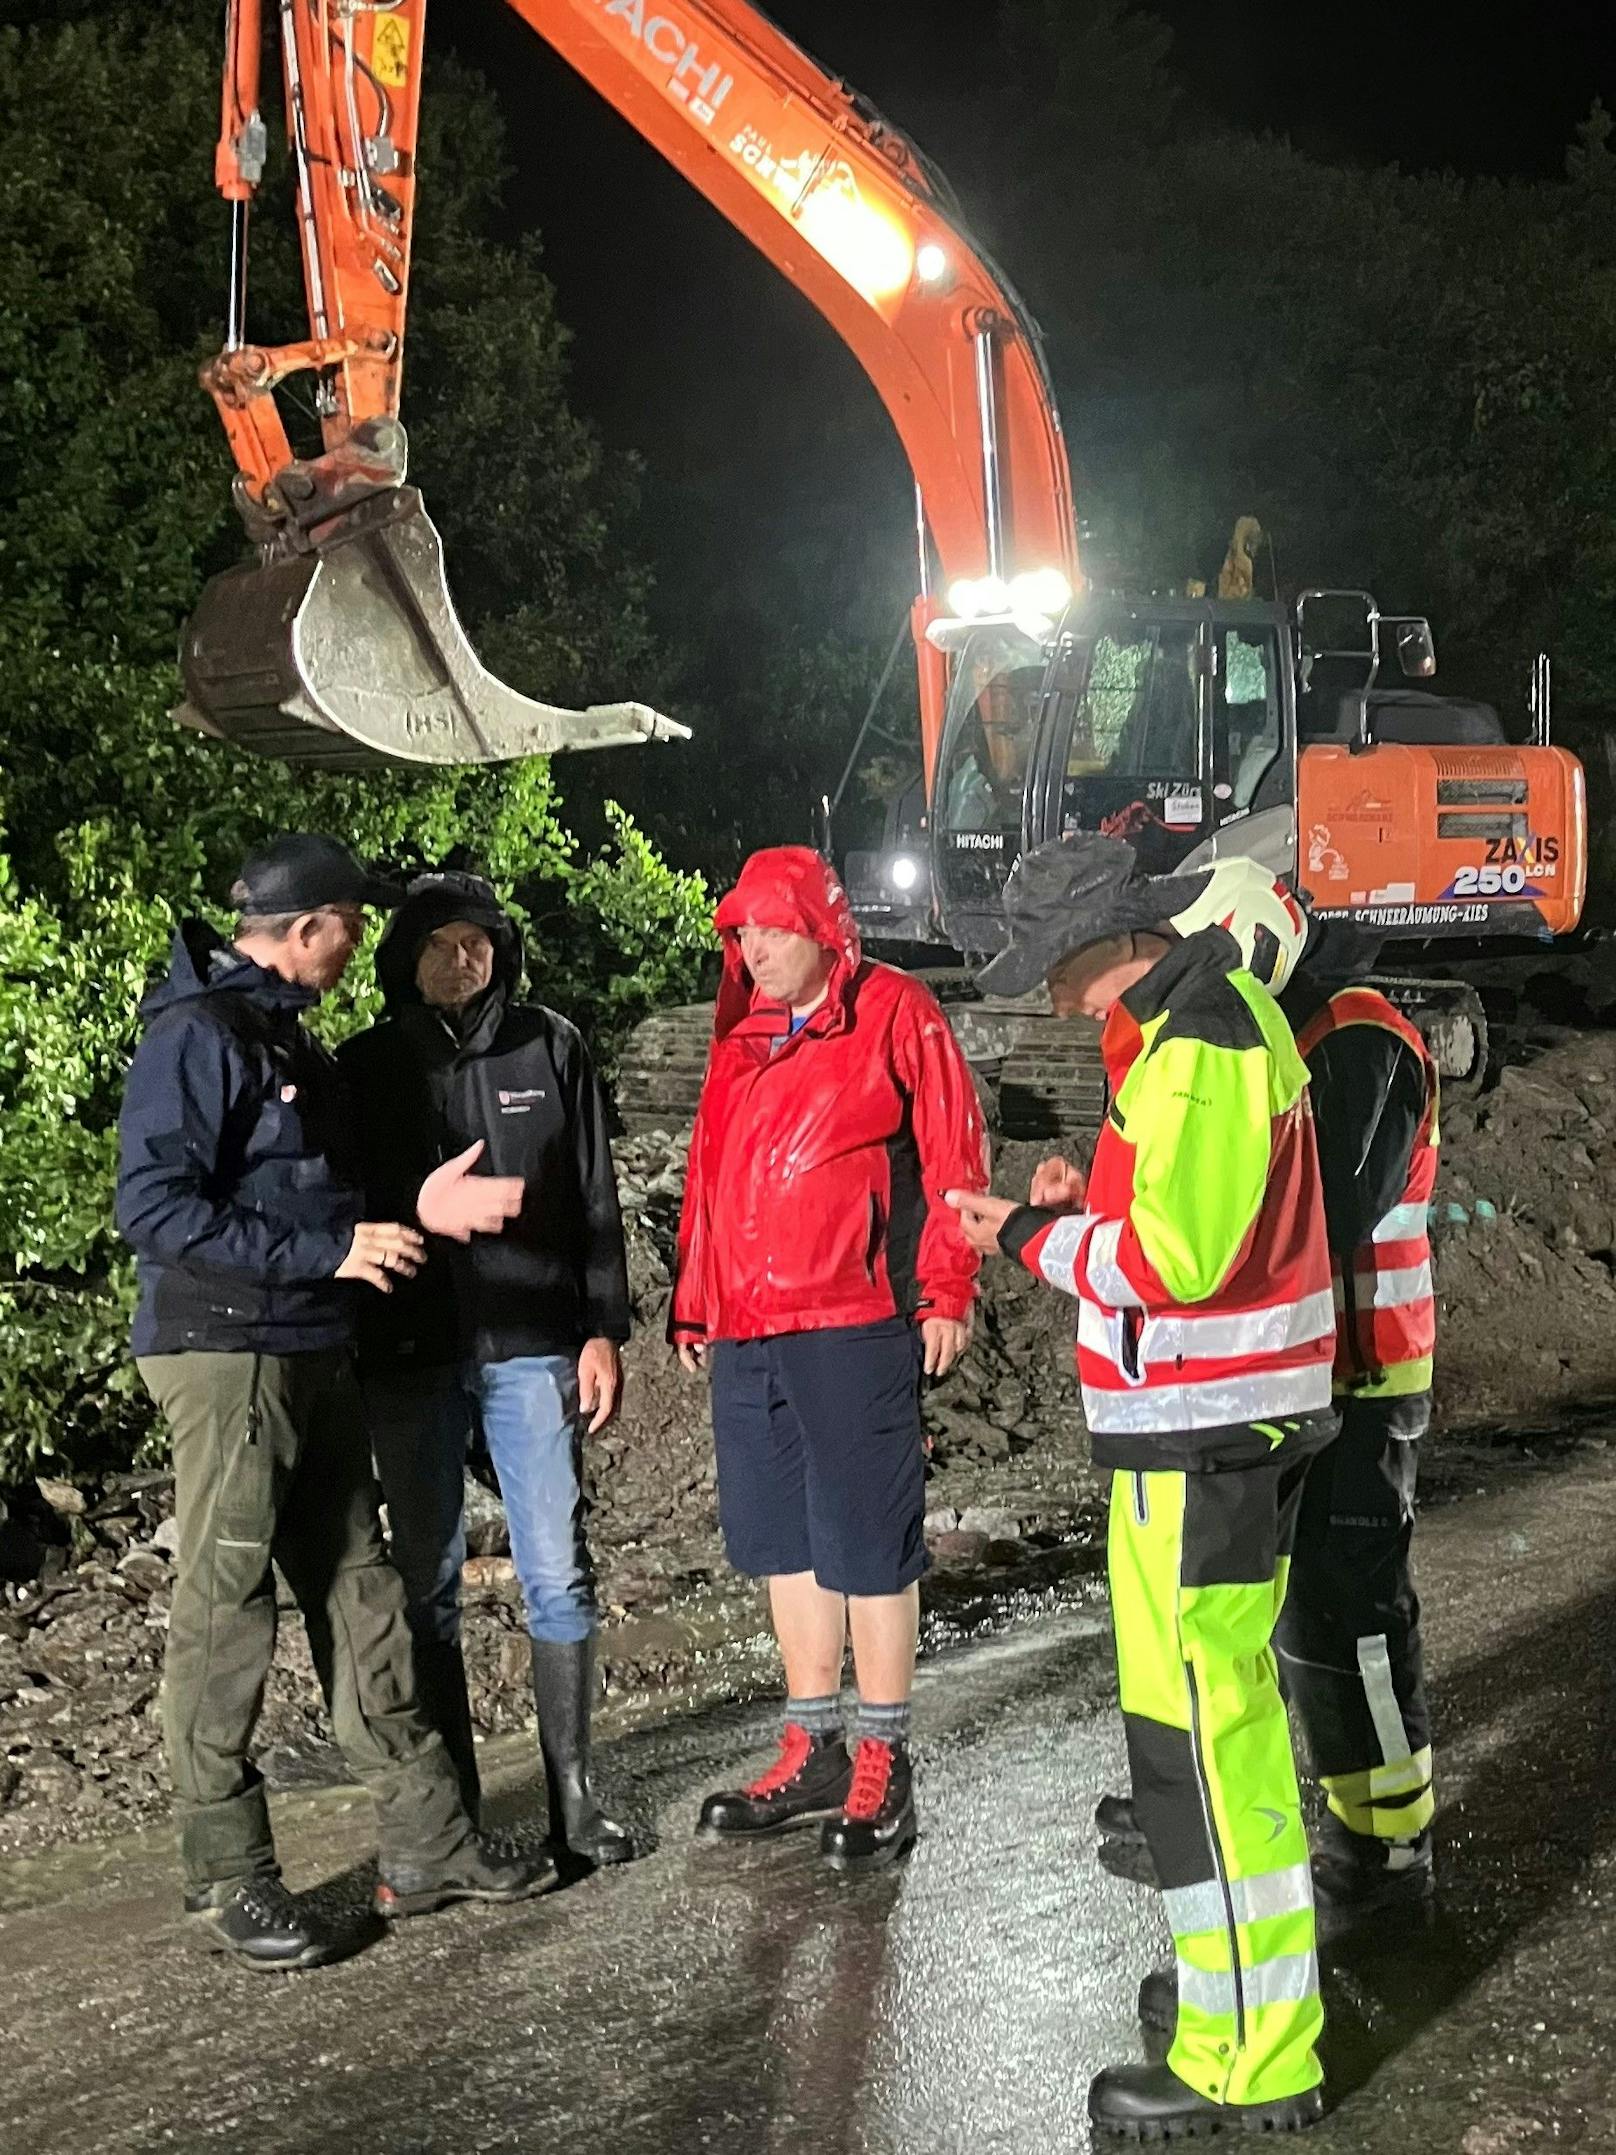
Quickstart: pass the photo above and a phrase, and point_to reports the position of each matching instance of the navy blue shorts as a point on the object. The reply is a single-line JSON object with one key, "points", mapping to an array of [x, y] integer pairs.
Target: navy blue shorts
{"points": [[821, 1465]]}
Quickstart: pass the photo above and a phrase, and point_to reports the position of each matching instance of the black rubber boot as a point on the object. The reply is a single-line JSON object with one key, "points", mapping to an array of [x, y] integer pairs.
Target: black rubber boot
{"points": [[806, 1785], [1158, 2000], [440, 1681], [1150, 2102], [877, 1825], [1114, 1820], [564, 1694], [257, 1922], [473, 1873]]}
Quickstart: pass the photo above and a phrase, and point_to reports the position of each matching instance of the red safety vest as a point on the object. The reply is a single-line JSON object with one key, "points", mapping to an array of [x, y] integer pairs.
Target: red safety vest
{"points": [[1385, 1302]]}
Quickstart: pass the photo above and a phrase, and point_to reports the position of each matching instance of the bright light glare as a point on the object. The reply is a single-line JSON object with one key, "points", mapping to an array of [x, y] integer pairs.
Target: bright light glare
{"points": [[931, 264], [1041, 591], [970, 597], [861, 243], [904, 873]]}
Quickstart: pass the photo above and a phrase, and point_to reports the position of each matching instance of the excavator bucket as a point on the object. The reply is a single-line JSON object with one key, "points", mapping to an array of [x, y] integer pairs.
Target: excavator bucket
{"points": [[352, 657]]}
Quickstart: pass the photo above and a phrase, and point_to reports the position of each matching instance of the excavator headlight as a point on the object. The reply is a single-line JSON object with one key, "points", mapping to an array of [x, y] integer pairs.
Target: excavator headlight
{"points": [[1044, 592], [931, 263], [904, 872]]}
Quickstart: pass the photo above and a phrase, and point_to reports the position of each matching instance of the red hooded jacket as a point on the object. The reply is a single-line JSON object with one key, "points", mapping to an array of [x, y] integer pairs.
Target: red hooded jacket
{"points": [[819, 1161]]}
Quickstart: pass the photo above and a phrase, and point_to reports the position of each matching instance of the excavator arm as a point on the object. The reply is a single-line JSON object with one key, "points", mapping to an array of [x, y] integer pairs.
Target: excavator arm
{"points": [[840, 202]]}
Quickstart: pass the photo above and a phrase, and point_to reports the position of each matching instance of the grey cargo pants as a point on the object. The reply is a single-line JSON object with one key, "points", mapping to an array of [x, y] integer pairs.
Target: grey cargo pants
{"points": [[272, 1461]]}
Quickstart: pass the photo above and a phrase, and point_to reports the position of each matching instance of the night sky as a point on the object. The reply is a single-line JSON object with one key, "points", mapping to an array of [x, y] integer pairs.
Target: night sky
{"points": [[754, 422]]}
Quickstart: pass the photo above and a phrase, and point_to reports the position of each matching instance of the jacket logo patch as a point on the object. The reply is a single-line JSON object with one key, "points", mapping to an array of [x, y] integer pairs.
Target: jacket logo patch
{"points": [[518, 1100]]}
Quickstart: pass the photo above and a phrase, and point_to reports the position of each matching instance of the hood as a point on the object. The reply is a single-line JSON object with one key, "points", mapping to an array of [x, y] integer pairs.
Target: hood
{"points": [[795, 889], [430, 903], [202, 963]]}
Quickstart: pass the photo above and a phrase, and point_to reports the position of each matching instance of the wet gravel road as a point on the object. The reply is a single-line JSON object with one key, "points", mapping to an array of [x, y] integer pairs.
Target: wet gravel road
{"points": [[753, 2004]]}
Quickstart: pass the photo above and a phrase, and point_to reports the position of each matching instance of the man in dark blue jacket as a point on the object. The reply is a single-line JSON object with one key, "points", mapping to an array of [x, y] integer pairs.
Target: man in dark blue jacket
{"points": [[517, 1337], [235, 1194]]}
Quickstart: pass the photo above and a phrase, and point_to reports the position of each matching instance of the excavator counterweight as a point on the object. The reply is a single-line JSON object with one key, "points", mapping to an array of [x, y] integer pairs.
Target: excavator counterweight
{"points": [[351, 656]]}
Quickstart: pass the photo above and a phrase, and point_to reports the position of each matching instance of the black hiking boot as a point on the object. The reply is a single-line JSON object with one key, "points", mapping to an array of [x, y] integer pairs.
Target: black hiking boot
{"points": [[1114, 1820], [564, 1697], [1358, 1881], [807, 1784], [1124, 1851], [1158, 2001], [877, 1825], [257, 1921], [472, 1873], [1150, 2102]]}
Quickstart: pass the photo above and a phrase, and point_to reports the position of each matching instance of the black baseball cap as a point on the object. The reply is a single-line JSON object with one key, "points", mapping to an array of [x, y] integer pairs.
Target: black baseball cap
{"points": [[1074, 891], [302, 872]]}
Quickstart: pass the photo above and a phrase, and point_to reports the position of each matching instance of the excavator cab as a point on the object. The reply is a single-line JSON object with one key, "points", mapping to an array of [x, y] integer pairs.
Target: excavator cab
{"points": [[346, 652], [1169, 725]]}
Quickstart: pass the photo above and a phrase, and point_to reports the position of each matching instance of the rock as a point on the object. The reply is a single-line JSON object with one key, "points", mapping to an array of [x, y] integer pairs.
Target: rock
{"points": [[945, 1520], [1002, 1553], [63, 1498], [10, 1782], [992, 1525], [515, 1659], [144, 1569], [487, 1532], [482, 1572], [960, 1548], [166, 1537]]}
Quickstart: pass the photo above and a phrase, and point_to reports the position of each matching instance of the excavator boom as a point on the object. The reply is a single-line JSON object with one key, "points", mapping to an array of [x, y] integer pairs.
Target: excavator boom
{"points": [[341, 643]]}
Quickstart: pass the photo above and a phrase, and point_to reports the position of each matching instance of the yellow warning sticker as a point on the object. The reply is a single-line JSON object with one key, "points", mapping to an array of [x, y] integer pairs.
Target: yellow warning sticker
{"points": [[390, 51]]}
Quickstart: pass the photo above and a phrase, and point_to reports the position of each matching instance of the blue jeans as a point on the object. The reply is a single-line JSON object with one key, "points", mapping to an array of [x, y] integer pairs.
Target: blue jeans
{"points": [[421, 1425]]}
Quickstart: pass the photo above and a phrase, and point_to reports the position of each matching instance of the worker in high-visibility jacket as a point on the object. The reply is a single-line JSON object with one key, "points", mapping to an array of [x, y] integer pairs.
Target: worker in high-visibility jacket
{"points": [[1350, 1640], [1196, 1249], [1349, 1636]]}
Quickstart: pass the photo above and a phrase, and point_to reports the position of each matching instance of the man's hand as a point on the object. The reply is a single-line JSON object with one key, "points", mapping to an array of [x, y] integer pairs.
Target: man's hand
{"points": [[945, 1339], [379, 1251], [980, 1218], [458, 1204], [600, 1382], [693, 1356], [1058, 1186]]}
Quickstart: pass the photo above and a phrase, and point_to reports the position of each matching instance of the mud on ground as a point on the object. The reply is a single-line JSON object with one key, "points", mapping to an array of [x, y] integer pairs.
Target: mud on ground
{"points": [[1525, 1238]]}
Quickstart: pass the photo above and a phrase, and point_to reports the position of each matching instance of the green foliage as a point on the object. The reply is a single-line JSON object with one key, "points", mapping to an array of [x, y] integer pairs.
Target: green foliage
{"points": [[114, 504]]}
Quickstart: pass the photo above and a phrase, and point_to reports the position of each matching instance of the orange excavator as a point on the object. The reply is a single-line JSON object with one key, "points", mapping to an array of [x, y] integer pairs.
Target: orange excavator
{"points": [[1199, 726]]}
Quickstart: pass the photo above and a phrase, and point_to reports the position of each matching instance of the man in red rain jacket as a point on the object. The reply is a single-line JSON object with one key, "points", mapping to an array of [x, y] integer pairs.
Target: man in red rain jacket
{"points": [[819, 1273]]}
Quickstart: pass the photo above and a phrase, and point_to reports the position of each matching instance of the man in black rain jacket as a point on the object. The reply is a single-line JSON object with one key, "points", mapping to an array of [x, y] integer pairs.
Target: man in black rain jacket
{"points": [[235, 1192], [516, 1339]]}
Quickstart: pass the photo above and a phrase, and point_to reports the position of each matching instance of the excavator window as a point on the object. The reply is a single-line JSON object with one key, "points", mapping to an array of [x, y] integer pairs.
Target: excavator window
{"points": [[1248, 722], [994, 709], [1139, 716]]}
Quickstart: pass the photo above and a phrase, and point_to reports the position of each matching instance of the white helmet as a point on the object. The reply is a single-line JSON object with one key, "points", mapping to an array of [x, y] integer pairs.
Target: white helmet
{"points": [[1258, 910]]}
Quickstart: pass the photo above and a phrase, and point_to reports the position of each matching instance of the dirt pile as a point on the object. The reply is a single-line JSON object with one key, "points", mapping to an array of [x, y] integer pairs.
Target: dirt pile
{"points": [[1524, 1230]]}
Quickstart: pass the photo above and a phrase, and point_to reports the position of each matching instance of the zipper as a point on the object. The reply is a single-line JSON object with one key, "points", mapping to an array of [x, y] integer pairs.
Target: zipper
{"points": [[1141, 1501], [252, 1400], [1217, 1857]]}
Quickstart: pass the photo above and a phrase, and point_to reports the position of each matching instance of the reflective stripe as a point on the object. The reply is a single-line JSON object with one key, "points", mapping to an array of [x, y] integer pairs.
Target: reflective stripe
{"points": [[1194, 1339], [1107, 1279], [1375, 1667], [1272, 1893], [1215, 1404], [1057, 1260], [1402, 1224], [1397, 1290], [1286, 1980]]}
